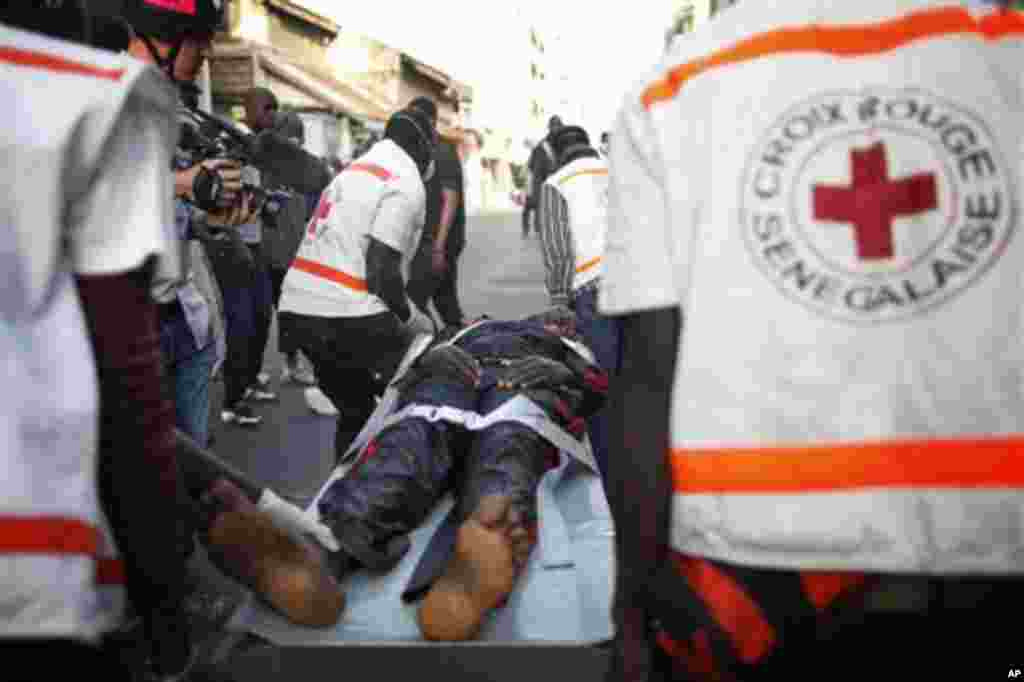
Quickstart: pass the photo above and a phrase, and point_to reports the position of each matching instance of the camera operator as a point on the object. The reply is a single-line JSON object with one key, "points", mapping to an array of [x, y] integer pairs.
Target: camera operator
{"points": [[238, 265], [175, 39], [176, 42]]}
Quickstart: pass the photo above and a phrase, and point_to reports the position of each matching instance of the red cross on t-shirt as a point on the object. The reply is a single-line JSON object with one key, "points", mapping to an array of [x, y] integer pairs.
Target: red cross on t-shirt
{"points": [[873, 200], [323, 209]]}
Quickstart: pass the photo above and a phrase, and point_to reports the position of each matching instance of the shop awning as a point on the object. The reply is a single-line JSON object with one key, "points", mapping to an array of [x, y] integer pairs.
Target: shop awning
{"points": [[315, 84]]}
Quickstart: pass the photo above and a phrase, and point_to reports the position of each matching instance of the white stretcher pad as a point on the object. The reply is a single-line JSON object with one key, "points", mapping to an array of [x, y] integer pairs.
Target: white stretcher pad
{"points": [[563, 596]]}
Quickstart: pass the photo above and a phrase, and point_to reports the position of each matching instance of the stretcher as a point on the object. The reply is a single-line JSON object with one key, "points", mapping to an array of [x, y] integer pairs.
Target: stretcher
{"points": [[564, 595]]}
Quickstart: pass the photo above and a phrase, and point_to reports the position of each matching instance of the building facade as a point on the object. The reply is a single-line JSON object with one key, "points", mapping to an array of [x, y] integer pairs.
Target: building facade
{"points": [[344, 85]]}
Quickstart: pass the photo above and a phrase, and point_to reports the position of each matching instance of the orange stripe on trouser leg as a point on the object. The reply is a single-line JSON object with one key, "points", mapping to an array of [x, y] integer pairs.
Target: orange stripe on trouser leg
{"points": [[693, 659], [110, 572], [730, 607], [823, 588]]}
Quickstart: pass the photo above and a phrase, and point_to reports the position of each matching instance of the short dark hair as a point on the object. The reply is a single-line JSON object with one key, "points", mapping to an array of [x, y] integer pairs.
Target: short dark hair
{"points": [[425, 105], [264, 94]]}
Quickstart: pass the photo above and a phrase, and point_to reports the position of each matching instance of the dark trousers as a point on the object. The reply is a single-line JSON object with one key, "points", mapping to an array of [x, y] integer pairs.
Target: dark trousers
{"points": [[604, 337], [410, 465], [248, 308], [43, 660], [729, 622], [353, 358], [425, 286], [529, 211], [285, 342]]}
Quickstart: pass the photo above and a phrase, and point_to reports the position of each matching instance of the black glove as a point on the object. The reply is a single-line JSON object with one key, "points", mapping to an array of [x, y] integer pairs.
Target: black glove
{"points": [[536, 371], [443, 361]]}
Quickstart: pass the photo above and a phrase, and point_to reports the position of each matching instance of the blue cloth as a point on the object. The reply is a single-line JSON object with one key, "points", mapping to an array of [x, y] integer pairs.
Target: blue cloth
{"points": [[604, 337], [188, 369], [196, 307]]}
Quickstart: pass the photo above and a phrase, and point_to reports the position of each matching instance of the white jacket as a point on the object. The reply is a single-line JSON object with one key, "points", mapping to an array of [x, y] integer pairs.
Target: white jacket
{"points": [[379, 195], [87, 189], [584, 186], [831, 193]]}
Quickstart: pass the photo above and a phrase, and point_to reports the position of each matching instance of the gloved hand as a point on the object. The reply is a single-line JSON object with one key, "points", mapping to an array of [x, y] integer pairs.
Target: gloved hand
{"points": [[561, 318], [418, 323], [443, 361], [293, 518], [451, 361], [535, 371]]}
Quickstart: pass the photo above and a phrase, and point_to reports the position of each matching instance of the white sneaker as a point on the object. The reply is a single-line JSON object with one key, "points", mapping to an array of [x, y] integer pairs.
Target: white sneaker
{"points": [[320, 403]]}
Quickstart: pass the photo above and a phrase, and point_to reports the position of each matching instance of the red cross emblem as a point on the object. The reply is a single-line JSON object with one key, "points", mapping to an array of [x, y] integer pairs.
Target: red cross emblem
{"points": [[323, 209], [873, 201]]}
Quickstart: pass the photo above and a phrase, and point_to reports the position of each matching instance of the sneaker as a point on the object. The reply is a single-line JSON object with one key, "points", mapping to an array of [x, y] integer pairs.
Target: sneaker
{"points": [[240, 414], [259, 394], [263, 379]]}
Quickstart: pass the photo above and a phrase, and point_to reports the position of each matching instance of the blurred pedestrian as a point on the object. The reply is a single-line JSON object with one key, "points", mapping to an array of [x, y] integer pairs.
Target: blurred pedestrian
{"points": [[434, 270], [541, 164]]}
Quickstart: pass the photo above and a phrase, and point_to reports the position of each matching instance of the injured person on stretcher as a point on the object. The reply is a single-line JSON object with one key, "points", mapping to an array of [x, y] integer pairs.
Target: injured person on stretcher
{"points": [[476, 413], [482, 412]]}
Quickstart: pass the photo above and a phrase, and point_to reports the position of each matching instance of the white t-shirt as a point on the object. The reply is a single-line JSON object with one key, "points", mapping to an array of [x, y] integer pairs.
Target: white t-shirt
{"points": [[830, 193], [87, 190], [380, 195]]}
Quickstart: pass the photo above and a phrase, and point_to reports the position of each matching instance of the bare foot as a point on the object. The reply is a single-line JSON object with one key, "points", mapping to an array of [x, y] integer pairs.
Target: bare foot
{"points": [[286, 571], [490, 553]]}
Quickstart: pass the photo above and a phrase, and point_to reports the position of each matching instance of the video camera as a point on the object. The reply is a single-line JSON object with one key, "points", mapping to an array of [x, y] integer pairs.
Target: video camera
{"points": [[264, 155]]}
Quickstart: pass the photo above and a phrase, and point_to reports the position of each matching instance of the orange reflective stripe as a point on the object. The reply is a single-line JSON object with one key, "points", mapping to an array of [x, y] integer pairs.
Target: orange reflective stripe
{"points": [[967, 463], [694, 658], [48, 535], [592, 171], [336, 276], [589, 264], [372, 169], [823, 588], [731, 608], [841, 41], [50, 62], [1004, 23]]}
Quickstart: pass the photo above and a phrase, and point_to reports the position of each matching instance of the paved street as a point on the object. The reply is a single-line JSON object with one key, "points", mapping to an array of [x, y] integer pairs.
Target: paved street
{"points": [[292, 452]]}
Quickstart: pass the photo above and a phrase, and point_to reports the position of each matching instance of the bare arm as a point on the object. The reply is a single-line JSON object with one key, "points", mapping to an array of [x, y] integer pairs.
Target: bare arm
{"points": [[449, 204]]}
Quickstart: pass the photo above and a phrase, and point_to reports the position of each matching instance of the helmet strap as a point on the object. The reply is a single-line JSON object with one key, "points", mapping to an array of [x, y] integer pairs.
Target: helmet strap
{"points": [[166, 64]]}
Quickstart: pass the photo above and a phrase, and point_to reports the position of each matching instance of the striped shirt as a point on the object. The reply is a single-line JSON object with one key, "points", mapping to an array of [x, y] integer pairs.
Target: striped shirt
{"points": [[556, 245]]}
